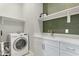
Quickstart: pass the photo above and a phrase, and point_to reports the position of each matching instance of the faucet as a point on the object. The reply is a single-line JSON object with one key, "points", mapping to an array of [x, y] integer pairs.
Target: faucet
{"points": [[52, 31]]}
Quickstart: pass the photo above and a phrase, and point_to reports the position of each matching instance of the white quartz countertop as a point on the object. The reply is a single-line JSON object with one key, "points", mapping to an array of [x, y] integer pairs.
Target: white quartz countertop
{"points": [[74, 39]]}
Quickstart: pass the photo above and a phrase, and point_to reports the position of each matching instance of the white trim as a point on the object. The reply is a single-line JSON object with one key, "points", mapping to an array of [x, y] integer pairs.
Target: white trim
{"points": [[72, 11], [15, 18], [56, 15]]}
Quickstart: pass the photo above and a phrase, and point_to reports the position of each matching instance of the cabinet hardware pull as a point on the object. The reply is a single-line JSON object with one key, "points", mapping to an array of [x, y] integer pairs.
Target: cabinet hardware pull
{"points": [[43, 46]]}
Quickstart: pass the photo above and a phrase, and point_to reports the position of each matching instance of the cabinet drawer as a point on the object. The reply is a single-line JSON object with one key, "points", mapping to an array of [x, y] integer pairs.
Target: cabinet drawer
{"points": [[51, 43], [72, 48]]}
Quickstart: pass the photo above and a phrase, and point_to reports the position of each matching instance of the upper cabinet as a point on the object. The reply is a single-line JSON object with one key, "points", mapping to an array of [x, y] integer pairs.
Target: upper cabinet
{"points": [[66, 21]]}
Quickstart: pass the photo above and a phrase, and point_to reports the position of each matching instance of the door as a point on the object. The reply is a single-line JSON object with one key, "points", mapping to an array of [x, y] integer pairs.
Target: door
{"points": [[20, 43]]}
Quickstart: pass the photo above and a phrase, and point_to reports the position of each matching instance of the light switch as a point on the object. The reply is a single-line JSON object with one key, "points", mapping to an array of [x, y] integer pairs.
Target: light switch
{"points": [[66, 30]]}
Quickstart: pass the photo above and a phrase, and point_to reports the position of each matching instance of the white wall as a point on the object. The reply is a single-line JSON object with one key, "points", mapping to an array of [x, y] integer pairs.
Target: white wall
{"points": [[31, 13], [28, 11], [13, 10]]}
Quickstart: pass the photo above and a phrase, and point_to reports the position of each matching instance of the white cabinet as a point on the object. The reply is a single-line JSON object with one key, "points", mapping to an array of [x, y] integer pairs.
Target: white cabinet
{"points": [[51, 51], [69, 49], [65, 53], [44, 47], [38, 47], [51, 48]]}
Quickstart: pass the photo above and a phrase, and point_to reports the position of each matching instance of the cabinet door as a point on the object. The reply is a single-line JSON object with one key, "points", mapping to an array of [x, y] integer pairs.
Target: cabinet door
{"points": [[50, 48], [38, 51], [69, 49], [65, 53], [51, 51]]}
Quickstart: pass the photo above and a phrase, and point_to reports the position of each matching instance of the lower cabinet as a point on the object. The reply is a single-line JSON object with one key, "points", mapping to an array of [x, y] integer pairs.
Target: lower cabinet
{"points": [[51, 51], [68, 49], [65, 53], [38, 49], [44, 47], [51, 48]]}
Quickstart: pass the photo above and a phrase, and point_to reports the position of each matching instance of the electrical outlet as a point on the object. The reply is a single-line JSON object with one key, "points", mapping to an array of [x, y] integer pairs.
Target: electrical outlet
{"points": [[66, 30]]}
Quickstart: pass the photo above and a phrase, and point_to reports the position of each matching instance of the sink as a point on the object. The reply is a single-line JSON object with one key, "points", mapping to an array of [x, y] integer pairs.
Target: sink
{"points": [[48, 34]]}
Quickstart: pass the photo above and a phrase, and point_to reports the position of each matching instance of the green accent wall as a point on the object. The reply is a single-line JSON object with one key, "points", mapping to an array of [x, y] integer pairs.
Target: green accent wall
{"points": [[60, 24], [50, 8], [55, 25], [47, 25], [45, 8], [74, 25]]}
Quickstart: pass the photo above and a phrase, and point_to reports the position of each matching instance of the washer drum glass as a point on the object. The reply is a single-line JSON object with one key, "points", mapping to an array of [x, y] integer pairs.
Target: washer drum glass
{"points": [[20, 44]]}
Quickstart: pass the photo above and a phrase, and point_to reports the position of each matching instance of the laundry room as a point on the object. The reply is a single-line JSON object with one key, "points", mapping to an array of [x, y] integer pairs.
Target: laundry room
{"points": [[39, 29], [18, 23]]}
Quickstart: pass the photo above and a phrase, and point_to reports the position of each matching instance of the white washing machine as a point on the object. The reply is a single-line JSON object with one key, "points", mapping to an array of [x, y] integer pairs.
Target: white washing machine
{"points": [[19, 44]]}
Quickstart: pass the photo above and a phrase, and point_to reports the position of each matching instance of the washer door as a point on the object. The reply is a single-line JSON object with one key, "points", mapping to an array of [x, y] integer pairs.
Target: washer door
{"points": [[20, 43]]}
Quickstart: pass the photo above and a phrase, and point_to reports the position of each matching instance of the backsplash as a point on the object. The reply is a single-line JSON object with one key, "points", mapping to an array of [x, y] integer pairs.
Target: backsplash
{"points": [[55, 25], [74, 25], [60, 25]]}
